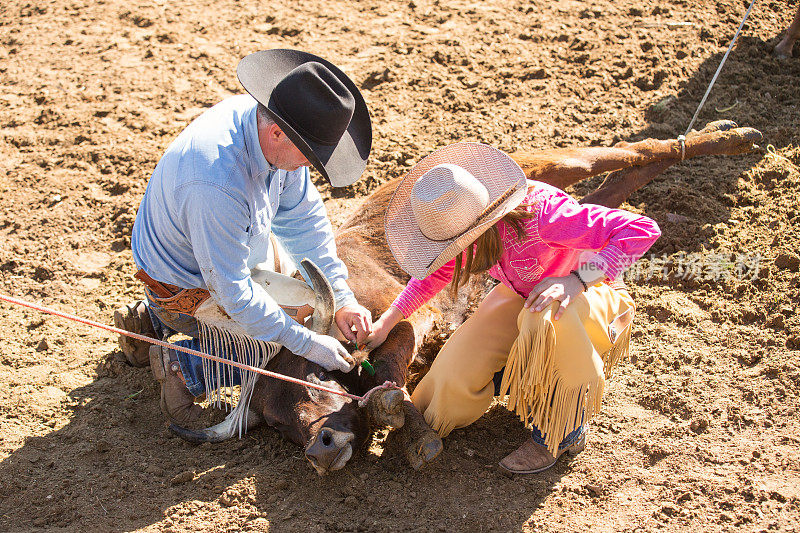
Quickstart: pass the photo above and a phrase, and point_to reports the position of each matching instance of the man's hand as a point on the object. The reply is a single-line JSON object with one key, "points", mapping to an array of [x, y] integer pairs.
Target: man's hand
{"points": [[328, 353], [356, 317], [562, 289]]}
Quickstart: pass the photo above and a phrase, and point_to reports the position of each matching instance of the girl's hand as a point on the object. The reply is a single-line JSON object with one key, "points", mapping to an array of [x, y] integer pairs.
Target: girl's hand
{"points": [[562, 289], [382, 327]]}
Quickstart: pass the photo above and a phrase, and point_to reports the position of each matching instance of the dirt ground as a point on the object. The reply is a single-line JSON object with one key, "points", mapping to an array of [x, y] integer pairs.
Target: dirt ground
{"points": [[700, 426]]}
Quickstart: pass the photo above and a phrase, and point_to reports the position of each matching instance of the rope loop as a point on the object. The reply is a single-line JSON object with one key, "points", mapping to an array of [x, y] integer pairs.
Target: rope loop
{"points": [[682, 141], [385, 385]]}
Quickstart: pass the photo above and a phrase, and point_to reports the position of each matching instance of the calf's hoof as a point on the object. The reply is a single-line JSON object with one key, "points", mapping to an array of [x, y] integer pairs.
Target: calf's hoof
{"points": [[716, 125], [743, 139], [385, 406], [729, 142], [421, 449]]}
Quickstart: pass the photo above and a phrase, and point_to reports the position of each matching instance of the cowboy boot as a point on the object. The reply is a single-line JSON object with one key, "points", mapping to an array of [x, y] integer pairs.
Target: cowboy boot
{"points": [[134, 318], [533, 457], [177, 403]]}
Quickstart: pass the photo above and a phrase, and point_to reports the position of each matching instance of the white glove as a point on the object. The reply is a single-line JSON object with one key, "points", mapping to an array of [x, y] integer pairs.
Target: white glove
{"points": [[328, 353]]}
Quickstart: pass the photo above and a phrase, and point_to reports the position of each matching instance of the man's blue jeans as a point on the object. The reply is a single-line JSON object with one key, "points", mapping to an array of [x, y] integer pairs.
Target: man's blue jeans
{"points": [[167, 323]]}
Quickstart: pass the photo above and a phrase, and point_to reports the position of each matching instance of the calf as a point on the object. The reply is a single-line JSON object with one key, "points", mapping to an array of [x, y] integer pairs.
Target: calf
{"points": [[331, 427]]}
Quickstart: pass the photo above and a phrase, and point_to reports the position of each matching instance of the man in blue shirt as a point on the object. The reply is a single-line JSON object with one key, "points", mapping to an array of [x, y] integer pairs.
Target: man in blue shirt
{"points": [[238, 173]]}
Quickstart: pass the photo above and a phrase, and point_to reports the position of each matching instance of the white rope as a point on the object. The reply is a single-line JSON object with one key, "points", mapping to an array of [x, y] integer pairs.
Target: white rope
{"points": [[682, 138]]}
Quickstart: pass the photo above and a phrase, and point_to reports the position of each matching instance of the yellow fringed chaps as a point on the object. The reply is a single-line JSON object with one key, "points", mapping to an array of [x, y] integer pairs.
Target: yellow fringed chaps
{"points": [[554, 376], [554, 369]]}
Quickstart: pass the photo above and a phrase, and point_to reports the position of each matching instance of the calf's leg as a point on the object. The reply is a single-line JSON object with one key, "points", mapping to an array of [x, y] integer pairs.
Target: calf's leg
{"points": [[784, 48], [418, 442], [619, 185], [566, 166], [390, 361]]}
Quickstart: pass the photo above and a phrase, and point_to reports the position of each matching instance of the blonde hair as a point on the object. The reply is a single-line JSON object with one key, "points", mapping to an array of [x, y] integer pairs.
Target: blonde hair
{"points": [[485, 252]]}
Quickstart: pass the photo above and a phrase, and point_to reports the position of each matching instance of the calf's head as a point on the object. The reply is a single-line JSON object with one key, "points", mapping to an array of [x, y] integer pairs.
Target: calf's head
{"points": [[328, 426]]}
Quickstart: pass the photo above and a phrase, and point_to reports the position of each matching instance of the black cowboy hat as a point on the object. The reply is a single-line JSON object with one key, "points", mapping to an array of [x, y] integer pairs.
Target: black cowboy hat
{"points": [[318, 107]]}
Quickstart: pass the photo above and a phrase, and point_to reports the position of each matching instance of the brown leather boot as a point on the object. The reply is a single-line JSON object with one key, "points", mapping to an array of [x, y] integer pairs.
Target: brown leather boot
{"points": [[135, 318], [533, 457], [177, 403]]}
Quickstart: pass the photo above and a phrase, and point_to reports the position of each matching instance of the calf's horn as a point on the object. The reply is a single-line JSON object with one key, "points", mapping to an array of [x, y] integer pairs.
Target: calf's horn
{"points": [[322, 319], [298, 298]]}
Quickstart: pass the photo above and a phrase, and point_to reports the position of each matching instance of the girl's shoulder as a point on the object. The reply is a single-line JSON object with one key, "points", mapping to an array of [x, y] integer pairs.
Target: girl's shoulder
{"points": [[537, 195], [542, 202], [541, 193]]}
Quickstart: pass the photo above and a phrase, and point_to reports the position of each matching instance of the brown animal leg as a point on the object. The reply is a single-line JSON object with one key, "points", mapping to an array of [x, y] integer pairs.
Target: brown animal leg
{"points": [[390, 361], [418, 442], [784, 48], [619, 185], [564, 167], [385, 408], [716, 125]]}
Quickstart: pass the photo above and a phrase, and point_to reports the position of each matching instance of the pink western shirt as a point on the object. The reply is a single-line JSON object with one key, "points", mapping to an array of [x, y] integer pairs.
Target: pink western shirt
{"points": [[562, 236]]}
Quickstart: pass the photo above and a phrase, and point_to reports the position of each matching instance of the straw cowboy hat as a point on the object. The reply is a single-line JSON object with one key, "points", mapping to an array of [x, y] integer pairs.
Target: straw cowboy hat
{"points": [[447, 201], [318, 107]]}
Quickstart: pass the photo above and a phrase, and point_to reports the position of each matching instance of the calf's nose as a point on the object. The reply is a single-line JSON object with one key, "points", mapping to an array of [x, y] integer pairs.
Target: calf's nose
{"points": [[330, 449]]}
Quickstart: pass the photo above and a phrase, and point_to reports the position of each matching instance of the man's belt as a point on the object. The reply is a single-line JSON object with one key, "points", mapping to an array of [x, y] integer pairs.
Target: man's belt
{"points": [[172, 297], [162, 290]]}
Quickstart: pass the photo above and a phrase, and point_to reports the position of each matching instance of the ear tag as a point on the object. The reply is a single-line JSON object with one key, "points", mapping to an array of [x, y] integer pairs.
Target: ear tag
{"points": [[368, 367]]}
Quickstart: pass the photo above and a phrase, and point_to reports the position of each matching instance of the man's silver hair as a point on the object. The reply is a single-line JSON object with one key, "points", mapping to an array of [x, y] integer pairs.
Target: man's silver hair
{"points": [[261, 111]]}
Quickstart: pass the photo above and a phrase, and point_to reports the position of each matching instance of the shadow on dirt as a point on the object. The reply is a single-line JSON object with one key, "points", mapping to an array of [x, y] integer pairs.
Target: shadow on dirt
{"points": [[133, 471], [116, 442], [689, 199]]}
